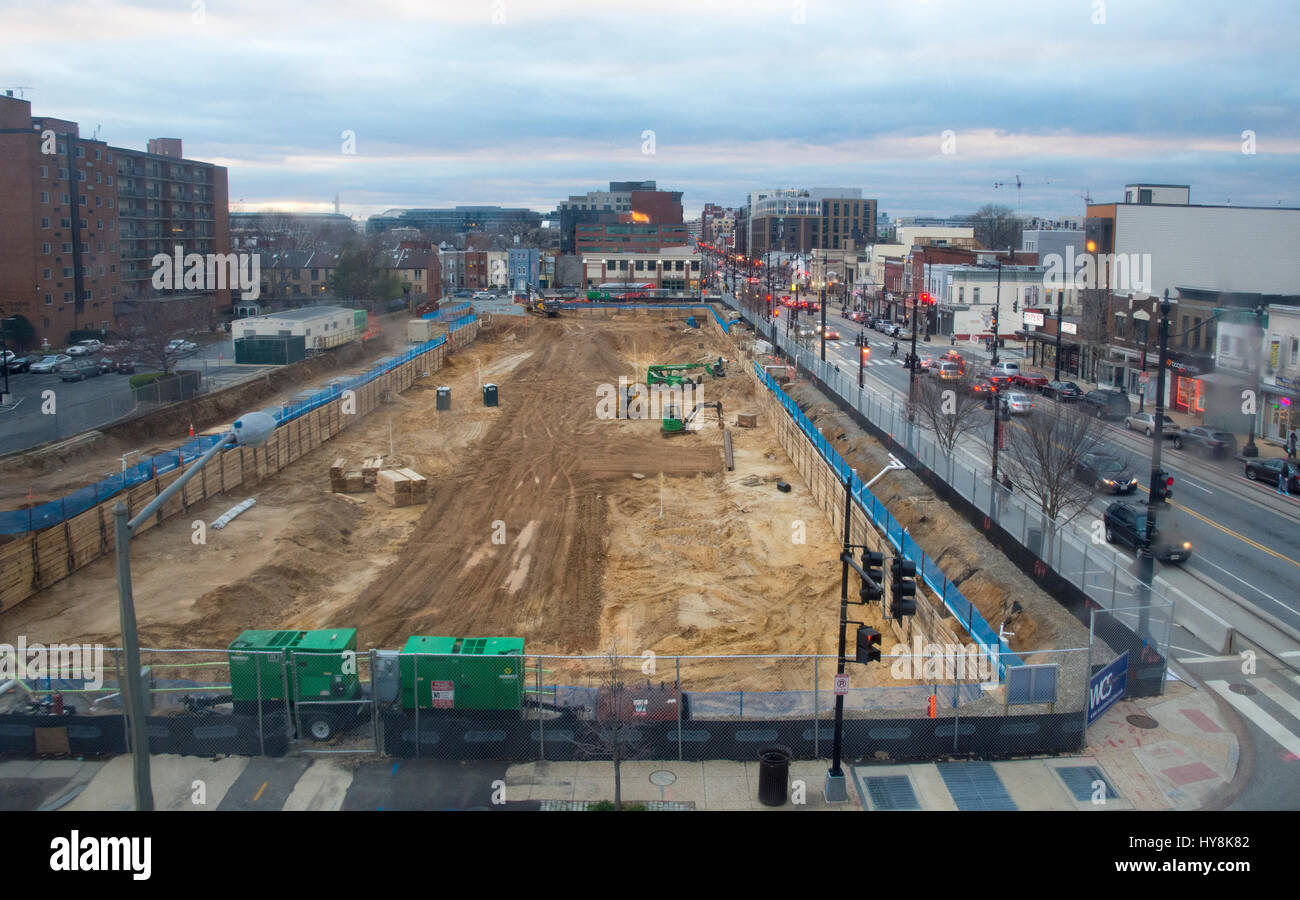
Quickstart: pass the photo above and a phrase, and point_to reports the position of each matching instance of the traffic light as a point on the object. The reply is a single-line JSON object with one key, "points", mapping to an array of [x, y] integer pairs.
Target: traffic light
{"points": [[866, 354], [926, 299], [873, 564], [1164, 485], [902, 588], [868, 645]]}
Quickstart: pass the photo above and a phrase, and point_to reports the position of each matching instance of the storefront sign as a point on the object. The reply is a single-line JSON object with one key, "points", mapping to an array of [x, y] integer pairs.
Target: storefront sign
{"points": [[1069, 328], [1285, 382], [1034, 318]]}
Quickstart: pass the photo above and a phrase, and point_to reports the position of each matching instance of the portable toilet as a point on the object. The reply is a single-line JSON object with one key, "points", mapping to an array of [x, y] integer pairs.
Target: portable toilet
{"points": [[489, 395], [444, 397]]}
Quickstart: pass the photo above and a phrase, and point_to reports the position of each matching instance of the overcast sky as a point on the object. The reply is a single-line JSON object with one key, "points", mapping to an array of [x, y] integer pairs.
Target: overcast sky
{"points": [[523, 102]]}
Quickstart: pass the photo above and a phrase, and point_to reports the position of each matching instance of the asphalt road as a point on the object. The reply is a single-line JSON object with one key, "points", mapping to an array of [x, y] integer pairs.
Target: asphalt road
{"points": [[1244, 536]]}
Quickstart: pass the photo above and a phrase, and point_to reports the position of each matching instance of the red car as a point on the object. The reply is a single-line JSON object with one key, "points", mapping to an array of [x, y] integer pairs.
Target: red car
{"points": [[1030, 380]]}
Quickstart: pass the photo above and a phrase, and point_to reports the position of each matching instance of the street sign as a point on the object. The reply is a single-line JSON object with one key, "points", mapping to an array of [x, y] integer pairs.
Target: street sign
{"points": [[1107, 687], [1144, 378], [841, 685]]}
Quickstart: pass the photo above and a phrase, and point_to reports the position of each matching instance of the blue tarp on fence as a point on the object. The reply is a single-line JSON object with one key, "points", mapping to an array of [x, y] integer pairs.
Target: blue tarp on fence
{"points": [[19, 521], [726, 327], [445, 313], [993, 646]]}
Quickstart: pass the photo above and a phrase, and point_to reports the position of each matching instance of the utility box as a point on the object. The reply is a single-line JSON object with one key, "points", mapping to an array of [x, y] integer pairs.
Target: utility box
{"points": [[471, 673], [420, 330], [444, 397], [489, 395], [315, 665]]}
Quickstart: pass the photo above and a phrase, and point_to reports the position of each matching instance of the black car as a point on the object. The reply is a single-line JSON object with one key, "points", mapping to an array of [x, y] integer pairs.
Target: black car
{"points": [[20, 363], [1107, 473], [1268, 470], [1107, 404], [1063, 390], [1210, 441], [1126, 523]]}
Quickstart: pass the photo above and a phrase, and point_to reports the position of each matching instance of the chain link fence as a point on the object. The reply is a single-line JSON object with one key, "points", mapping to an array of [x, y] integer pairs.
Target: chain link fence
{"points": [[1071, 550]]}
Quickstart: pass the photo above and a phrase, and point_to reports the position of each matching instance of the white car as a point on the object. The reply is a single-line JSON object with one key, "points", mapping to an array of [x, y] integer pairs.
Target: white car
{"points": [[1009, 369], [1019, 404], [181, 348], [77, 350]]}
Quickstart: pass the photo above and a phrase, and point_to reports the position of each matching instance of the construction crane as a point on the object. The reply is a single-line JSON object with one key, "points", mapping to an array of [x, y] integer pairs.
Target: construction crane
{"points": [[1019, 184], [673, 422]]}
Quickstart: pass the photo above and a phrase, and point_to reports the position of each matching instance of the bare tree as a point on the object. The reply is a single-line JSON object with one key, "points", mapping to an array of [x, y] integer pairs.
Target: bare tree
{"points": [[1094, 327], [950, 409], [1043, 456], [613, 729], [996, 227], [156, 323]]}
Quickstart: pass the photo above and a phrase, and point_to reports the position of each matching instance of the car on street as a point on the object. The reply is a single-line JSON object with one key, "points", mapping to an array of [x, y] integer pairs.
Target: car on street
{"points": [[1031, 380], [832, 334], [1065, 391], [1146, 423], [1269, 470], [47, 364], [1107, 473], [1019, 404], [1126, 523], [1210, 441], [947, 371], [925, 364], [1006, 368], [1107, 404], [78, 369], [19, 363]]}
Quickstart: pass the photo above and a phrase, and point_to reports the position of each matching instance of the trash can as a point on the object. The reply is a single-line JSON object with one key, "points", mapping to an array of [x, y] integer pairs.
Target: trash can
{"points": [[489, 395], [773, 775], [444, 397]]}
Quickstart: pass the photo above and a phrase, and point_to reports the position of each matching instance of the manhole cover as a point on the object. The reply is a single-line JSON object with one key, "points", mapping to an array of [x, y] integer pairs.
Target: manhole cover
{"points": [[1245, 689], [662, 778], [1142, 722]]}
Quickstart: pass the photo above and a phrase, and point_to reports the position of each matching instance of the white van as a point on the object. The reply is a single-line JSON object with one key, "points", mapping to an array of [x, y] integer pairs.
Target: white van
{"points": [[1009, 369]]}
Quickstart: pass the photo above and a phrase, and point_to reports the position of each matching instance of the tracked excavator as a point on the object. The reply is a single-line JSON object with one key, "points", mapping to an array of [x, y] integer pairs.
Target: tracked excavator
{"points": [[673, 422], [675, 374], [538, 305]]}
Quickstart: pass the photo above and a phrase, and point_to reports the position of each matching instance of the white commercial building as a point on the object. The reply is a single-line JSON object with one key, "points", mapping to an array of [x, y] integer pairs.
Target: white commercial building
{"points": [[322, 326]]}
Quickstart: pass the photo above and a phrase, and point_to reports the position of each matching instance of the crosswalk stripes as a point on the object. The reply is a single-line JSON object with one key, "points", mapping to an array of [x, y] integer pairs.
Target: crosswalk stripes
{"points": [[1253, 711], [1277, 695]]}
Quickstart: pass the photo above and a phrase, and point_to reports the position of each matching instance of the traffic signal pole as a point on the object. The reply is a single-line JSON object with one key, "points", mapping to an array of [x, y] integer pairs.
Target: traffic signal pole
{"points": [[1156, 487], [836, 789]]}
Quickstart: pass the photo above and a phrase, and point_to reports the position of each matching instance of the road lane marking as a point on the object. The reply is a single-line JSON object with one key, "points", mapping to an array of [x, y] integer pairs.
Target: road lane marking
{"points": [[1266, 723], [1202, 658], [258, 795], [1277, 695], [1203, 558], [1229, 531]]}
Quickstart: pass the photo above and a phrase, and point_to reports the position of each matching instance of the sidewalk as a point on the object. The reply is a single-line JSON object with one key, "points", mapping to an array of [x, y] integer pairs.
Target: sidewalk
{"points": [[1172, 752]]}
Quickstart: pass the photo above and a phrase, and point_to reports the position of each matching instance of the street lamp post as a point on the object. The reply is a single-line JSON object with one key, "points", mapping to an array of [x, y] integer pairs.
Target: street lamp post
{"points": [[1251, 450], [1060, 303], [1155, 492], [249, 430]]}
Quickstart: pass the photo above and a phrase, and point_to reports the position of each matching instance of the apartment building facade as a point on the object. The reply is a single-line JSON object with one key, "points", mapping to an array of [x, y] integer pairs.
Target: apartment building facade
{"points": [[81, 221]]}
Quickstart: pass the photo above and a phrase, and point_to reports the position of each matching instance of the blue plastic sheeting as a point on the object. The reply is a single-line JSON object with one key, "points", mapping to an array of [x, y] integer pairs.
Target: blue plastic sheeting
{"points": [[992, 646], [19, 521], [725, 326], [445, 313]]}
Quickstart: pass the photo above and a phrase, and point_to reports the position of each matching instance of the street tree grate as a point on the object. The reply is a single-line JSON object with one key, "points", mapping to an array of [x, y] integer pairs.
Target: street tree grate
{"points": [[1079, 780], [975, 786], [891, 792]]}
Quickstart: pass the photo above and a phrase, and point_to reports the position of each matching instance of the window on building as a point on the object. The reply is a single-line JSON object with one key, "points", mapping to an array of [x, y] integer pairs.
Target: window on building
{"points": [[49, 301], [63, 173], [1295, 351], [975, 295], [1119, 325], [45, 196], [1225, 345], [48, 273], [45, 222], [109, 180]]}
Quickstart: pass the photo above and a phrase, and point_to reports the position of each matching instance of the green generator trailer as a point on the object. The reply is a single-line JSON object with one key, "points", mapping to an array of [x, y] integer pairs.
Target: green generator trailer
{"points": [[317, 669], [469, 673]]}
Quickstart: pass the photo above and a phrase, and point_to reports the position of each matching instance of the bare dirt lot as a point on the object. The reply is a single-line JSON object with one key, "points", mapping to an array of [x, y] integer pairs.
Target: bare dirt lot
{"points": [[537, 524]]}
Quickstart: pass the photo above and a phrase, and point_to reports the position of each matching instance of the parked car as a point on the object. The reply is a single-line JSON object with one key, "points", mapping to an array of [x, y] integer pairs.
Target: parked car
{"points": [[180, 347], [19, 363], [78, 369], [1126, 523], [47, 364], [1269, 470], [126, 366], [1108, 404], [1146, 422], [106, 365], [483, 295], [1210, 441], [91, 345], [77, 350], [1032, 380], [1106, 473], [1019, 404], [1065, 391]]}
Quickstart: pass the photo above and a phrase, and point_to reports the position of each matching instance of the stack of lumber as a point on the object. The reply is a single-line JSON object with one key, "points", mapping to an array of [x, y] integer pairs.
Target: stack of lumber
{"points": [[370, 470], [402, 487]]}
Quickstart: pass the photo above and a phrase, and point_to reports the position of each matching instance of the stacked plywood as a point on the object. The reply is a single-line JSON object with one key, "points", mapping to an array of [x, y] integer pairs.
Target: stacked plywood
{"points": [[402, 487], [370, 470]]}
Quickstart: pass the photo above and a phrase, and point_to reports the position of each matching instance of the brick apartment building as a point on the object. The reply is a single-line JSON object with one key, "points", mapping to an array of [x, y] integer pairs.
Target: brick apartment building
{"points": [[627, 236], [80, 222]]}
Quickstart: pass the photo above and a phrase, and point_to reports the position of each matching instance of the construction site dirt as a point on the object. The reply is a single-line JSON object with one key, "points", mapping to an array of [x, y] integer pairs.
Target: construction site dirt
{"points": [[546, 520]]}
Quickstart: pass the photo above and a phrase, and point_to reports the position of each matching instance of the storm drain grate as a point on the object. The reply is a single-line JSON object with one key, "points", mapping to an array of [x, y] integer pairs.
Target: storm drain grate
{"points": [[975, 786], [890, 792], [1080, 780]]}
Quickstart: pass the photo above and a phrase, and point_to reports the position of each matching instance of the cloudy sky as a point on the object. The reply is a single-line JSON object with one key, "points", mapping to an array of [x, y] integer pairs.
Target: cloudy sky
{"points": [[922, 104]]}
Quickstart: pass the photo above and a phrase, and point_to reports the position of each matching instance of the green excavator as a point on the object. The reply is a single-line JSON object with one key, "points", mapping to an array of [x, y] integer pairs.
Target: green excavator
{"points": [[675, 374], [674, 423]]}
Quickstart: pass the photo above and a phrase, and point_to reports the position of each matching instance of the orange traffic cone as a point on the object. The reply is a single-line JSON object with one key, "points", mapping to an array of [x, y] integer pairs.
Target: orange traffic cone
{"points": [[191, 429], [934, 704]]}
